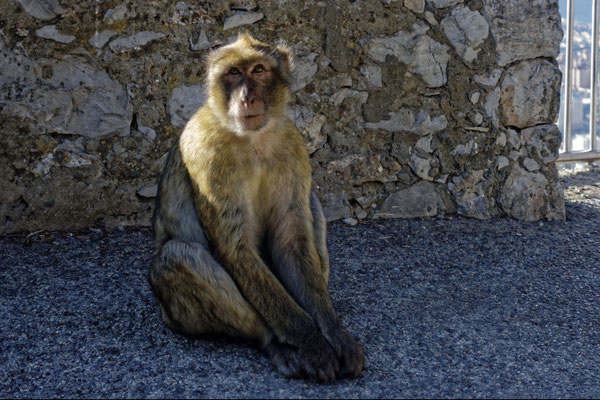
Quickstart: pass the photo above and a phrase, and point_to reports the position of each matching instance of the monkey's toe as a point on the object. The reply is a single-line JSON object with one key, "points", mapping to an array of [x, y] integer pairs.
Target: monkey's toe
{"points": [[352, 364], [284, 360]]}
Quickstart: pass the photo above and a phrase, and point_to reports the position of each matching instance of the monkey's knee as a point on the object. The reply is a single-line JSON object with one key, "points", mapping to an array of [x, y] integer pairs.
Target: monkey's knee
{"points": [[320, 232], [197, 297]]}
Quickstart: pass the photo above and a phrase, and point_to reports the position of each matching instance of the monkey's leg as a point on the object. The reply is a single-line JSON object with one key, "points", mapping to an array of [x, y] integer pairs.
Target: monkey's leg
{"points": [[320, 233], [198, 297]]}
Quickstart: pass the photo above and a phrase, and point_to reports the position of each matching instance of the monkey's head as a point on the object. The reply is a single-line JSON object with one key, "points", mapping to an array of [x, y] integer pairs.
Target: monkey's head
{"points": [[248, 84]]}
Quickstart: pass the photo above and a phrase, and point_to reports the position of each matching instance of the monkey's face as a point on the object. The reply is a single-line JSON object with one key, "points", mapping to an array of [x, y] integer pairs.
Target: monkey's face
{"points": [[247, 86]]}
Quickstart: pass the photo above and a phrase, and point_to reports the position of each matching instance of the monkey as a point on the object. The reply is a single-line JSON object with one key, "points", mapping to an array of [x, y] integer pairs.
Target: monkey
{"points": [[240, 238]]}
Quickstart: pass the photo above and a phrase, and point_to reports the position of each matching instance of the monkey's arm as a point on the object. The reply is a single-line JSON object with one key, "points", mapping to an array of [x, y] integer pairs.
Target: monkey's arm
{"points": [[299, 268], [292, 234], [296, 261]]}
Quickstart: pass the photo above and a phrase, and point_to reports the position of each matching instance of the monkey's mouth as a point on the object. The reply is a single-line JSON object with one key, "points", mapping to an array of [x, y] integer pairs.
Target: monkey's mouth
{"points": [[248, 117], [252, 122]]}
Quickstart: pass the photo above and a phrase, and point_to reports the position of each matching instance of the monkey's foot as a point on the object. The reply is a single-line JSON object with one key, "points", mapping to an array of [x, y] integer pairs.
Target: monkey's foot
{"points": [[350, 353], [287, 361]]}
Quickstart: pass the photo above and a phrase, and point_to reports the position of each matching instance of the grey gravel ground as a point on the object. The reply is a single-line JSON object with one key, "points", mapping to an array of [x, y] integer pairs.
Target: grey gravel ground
{"points": [[444, 308]]}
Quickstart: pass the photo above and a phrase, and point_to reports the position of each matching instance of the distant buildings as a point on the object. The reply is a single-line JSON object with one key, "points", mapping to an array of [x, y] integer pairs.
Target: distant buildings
{"points": [[580, 109]]}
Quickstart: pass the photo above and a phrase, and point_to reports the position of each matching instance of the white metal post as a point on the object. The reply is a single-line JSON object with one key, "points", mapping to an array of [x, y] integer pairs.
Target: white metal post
{"points": [[594, 78], [569, 77]]}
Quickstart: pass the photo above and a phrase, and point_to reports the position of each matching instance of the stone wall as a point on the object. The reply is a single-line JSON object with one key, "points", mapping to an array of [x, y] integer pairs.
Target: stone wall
{"points": [[409, 107]]}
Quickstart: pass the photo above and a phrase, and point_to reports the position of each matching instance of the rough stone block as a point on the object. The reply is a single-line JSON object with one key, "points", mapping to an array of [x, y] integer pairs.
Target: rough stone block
{"points": [[242, 18], [524, 29], [470, 192], [417, 6], [305, 69], [530, 164], [43, 9], [529, 196], [115, 14], [372, 74], [420, 52], [148, 191], [530, 93], [542, 141], [466, 30], [423, 199], [99, 39], [336, 207], [138, 39], [199, 41], [313, 133], [184, 102], [76, 99], [492, 101], [502, 162], [411, 121], [50, 32], [443, 3]]}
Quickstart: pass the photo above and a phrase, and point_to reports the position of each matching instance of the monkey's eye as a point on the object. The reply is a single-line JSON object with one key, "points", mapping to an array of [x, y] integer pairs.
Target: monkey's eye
{"points": [[233, 71], [258, 69]]}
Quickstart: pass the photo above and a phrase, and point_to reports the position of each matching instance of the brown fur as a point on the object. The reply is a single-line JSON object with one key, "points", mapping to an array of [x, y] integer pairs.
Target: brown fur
{"points": [[240, 239]]}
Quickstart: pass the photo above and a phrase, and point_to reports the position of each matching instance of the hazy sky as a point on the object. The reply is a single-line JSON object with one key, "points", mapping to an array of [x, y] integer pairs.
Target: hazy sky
{"points": [[582, 10]]}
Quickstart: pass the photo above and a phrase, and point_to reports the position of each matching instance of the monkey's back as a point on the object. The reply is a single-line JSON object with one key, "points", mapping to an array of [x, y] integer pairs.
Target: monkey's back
{"points": [[175, 216]]}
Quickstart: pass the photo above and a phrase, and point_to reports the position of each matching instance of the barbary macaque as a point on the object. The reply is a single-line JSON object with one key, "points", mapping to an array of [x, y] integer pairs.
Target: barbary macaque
{"points": [[240, 238]]}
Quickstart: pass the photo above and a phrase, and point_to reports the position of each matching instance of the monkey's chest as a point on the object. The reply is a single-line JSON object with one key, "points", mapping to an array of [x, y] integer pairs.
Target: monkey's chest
{"points": [[255, 196]]}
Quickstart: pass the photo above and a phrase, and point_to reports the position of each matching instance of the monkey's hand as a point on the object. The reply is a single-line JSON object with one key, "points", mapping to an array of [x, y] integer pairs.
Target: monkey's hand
{"points": [[350, 353], [311, 358]]}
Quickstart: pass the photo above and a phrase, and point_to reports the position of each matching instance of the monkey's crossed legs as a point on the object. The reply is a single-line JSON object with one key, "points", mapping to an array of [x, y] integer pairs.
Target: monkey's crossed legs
{"points": [[197, 297]]}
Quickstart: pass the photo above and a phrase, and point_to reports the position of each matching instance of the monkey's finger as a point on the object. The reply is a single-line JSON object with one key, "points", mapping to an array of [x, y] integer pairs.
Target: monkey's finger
{"points": [[288, 369], [326, 376], [294, 365], [310, 372], [336, 364], [329, 370], [352, 365], [285, 361]]}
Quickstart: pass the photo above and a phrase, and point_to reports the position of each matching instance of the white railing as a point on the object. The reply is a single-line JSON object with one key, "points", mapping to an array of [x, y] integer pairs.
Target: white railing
{"points": [[594, 153]]}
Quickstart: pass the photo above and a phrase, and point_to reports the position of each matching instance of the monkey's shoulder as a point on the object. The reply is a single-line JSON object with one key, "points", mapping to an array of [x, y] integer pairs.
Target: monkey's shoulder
{"points": [[294, 142], [289, 133], [174, 177], [203, 138], [200, 129]]}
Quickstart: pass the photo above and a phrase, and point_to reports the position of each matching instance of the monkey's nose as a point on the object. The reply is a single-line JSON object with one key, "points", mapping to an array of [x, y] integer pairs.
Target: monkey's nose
{"points": [[247, 97], [247, 100]]}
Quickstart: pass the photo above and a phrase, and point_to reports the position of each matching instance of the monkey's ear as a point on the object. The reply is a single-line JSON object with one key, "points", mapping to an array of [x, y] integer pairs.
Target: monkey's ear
{"points": [[285, 55]]}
